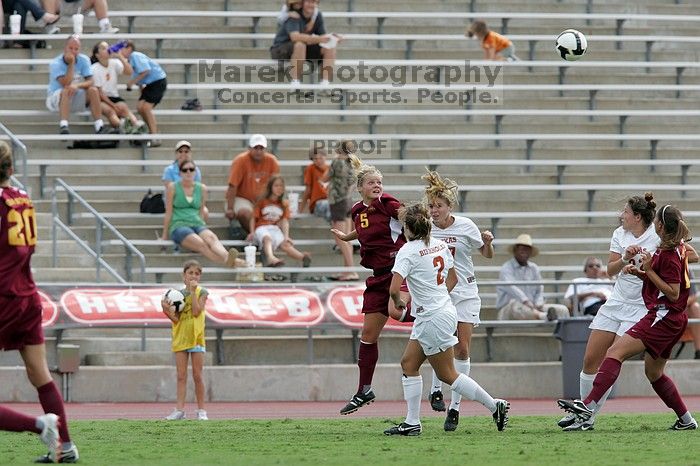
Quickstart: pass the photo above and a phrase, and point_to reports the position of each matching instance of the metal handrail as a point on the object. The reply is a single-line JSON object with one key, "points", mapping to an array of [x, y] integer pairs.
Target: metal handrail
{"points": [[101, 223], [18, 148]]}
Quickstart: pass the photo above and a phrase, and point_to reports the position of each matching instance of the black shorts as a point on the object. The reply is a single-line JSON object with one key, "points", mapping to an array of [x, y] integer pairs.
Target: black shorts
{"points": [[284, 51], [341, 210], [153, 93], [115, 100]]}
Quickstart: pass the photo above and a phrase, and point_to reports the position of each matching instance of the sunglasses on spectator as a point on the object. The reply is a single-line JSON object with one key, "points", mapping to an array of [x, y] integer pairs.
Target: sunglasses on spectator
{"points": [[594, 265], [259, 148], [184, 149], [186, 169]]}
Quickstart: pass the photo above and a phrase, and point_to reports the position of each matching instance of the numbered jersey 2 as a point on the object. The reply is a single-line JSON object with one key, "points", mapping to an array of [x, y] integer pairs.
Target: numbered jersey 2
{"points": [[425, 269], [18, 235]]}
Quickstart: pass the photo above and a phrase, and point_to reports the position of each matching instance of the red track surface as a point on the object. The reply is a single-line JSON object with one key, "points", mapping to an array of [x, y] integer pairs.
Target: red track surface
{"points": [[388, 409]]}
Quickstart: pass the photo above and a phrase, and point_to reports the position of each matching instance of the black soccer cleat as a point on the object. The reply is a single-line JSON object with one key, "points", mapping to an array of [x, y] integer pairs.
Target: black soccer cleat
{"points": [[577, 408], [452, 420], [437, 402], [500, 417], [357, 401], [407, 430], [680, 425], [567, 420]]}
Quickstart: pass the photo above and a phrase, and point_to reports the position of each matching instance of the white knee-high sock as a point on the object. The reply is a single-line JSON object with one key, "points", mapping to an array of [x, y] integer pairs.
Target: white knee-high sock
{"points": [[437, 383], [466, 386], [463, 366], [585, 387], [412, 391]]}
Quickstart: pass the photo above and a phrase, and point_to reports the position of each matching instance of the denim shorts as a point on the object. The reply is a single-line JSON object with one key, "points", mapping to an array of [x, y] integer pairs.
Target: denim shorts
{"points": [[180, 233], [196, 349]]}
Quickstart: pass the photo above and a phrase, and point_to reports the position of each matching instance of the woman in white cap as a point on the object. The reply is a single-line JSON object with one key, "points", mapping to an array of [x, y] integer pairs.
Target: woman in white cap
{"points": [[171, 173]]}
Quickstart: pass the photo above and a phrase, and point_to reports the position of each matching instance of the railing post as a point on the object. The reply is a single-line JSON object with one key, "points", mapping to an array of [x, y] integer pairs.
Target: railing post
{"points": [[54, 230], [98, 247]]}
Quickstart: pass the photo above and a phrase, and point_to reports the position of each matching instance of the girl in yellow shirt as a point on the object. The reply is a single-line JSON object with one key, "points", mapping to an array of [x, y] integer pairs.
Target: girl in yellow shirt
{"points": [[188, 339]]}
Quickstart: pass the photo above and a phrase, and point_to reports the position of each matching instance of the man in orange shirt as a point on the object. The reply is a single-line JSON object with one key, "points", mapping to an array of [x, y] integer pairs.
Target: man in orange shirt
{"points": [[248, 176]]}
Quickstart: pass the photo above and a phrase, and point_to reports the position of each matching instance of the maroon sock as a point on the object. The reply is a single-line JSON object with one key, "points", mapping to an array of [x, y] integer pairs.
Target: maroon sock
{"points": [[17, 422], [52, 402], [604, 379], [667, 391], [367, 361]]}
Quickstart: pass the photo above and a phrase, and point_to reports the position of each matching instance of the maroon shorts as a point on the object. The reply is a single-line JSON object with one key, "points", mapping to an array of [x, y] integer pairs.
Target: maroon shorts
{"points": [[376, 295], [660, 330], [20, 322]]}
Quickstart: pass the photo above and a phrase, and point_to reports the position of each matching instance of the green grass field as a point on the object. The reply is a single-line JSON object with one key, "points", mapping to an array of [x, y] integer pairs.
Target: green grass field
{"points": [[617, 440]]}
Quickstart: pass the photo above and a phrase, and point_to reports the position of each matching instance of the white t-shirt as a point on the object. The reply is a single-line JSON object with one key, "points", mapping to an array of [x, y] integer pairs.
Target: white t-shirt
{"points": [[106, 77], [628, 288], [463, 238], [602, 285], [425, 270]]}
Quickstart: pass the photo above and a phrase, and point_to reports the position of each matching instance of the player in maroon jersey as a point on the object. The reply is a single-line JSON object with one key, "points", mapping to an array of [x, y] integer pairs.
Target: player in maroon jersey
{"points": [[20, 319], [380, 234], [665, 291]]}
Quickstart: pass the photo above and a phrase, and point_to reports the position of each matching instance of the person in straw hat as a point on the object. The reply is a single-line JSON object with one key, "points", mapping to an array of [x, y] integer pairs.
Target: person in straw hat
{"points": [[524, 302]]}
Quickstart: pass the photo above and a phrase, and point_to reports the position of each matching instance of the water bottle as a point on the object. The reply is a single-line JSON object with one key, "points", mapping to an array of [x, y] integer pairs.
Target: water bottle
{"points": [[15, 24], [117, 47]]}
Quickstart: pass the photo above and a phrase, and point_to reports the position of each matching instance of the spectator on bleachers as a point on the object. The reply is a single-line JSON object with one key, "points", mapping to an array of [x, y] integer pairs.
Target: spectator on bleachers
{"points": [[292, 8], [524, 302], [300, 39], [106, 67], [23, 7], [68, 8], [495, 45], [341, 181], [71, 87], [315, 194], [270, 226], [152, 80], [250, 171], [184, 220], [188, 343], [589, 296], [171, 173]]}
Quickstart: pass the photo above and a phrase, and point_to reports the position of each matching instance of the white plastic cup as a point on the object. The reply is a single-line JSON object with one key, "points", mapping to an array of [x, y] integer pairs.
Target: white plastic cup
{"points": [[293, 203], [250, 255], [331, 44], [15, 24], [78, 23]]}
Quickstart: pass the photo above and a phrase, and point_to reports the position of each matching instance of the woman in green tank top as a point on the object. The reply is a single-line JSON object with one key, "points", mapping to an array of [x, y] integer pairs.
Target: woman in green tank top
{"points": [[185, 214]]}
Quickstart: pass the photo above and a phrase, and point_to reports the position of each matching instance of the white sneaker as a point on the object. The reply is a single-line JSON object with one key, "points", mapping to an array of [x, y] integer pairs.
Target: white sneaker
{"points": [[201, 415], [49, 435], [176, 415], [108, 29], [52, 28]]}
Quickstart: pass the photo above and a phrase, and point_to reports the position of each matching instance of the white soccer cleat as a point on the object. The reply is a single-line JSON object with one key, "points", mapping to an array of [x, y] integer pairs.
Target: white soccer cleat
{"points": [[176, 415], [49, 435]]}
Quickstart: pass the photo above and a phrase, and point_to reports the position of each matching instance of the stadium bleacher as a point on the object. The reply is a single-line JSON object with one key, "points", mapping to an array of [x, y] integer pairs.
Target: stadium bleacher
{"points": [[556, 158]]}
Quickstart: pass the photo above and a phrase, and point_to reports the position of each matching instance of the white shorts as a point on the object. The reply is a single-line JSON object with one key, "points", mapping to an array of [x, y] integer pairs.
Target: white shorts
{"points": [[77, 103], [273, 231], [437, 332], [617, 318], [468, 310], [71, 8]]}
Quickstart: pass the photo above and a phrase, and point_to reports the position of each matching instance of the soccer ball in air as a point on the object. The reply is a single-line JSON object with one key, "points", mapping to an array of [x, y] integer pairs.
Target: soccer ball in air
{"points": [[175, 299], [571, 45]]}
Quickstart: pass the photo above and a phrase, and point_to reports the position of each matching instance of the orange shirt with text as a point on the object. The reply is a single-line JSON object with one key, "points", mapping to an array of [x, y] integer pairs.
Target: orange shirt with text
{"points": [[251, 177]]}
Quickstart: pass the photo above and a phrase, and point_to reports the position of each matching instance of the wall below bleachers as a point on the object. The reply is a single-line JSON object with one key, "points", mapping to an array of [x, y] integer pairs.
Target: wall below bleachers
{"points": [[323, 382]]}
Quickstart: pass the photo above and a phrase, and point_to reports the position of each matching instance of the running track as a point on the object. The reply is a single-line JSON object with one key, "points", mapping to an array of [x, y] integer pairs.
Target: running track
{"points": [[326, 409]]}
